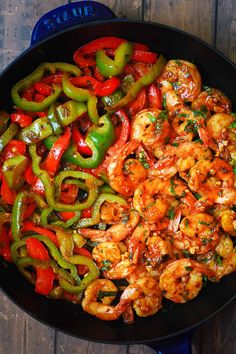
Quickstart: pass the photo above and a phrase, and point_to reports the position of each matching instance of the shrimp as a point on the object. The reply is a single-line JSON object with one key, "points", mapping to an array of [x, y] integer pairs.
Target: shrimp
{"points": [[182, 280], [220, 127], [223, 261], [144, 270], [228, 221], [213, 100], [102, 310], [158, 249], [145, 296], [106, 253], [214, 174], [116, 232], [137, 242], [125, 175], [112, 213], [151, 127], [120, 270], [180, 82], [198, 233]]}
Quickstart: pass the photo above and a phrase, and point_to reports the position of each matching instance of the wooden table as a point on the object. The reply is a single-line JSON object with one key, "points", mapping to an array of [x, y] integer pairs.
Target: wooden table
{"points": [[212, 20]]}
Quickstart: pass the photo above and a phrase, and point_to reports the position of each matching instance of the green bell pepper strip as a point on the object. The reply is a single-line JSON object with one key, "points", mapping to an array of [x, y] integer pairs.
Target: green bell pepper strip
{"points": [[95, 218], [65, 239], [109, 67], [40, 129], [106, 189], [18, 210], [112, 99], [65, 224], [8, 135], [36, 76], [88, 278], [69, 111], [53, 119], [99, 139], [145, 80], [81, 95], [4, 119], [49, 187], [13, 169]]}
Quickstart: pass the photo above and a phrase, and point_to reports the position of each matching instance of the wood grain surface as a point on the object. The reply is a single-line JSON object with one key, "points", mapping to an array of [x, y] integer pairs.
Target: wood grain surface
{"points": [[212, 20]]}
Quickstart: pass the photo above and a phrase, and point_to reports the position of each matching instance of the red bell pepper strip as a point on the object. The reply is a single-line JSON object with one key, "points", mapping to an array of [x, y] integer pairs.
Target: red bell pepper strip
{"points": [[86, 213], [22, 119], [30, 208], [43, 88], [138, 55], [29, 225], [54, 156], [38, 187], [53, 79], [79, 141], [28, 94], [67, 215], [99, 89], [155, 97], [29, 175], [13, 148], [97, 75], [45, 277], [81, 61], [69, 193], [139, 103], [38, 97], [8, 195], [5, 250], [82, 251]]}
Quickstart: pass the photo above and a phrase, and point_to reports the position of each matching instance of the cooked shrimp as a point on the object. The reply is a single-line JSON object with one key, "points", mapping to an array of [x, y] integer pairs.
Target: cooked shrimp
{"points": [[213, 100], [198, 233], [120, 270], [228, 221], [106, 252], [151, 127], [112, 213], [102, 310], [218, 124], [116, 232], [185, 82], [223, 261], [137, 242], [144, 270], [145, 295], [213, 174], [182, 280], [120, 174], [158, 249]]}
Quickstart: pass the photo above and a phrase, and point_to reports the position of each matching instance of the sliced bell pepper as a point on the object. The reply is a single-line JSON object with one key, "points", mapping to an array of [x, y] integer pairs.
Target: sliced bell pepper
{"points": [[4, 119], [138, 85], [100, 89], [13, 171], [79, 141], [53, 119], [112, 99], [139, 55], [5, 250], [38, 130], [54, 156], [109, 67], [29, 225], [45, 277], [69, 111], [43, 88], [155, 97], [8, 195], [14, 147], [32, 79], [69, 193], [139, 103], [22, 119], [7, 136]]}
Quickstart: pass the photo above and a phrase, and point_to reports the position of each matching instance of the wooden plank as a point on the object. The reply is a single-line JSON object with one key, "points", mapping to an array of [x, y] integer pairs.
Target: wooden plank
{"points": [[67, 345], [185, 15], [226, 28], [16, 22], [126, 9]]}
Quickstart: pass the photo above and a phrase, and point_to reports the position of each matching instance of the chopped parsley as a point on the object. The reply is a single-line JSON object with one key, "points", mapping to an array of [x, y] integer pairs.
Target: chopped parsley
{"points": [[186, 223], [205, 241], [202, 222], [201, 112], [164, 101], [234, 169], [233, 125], [186, 253], [106, 265], [178, 62], [151, 117], [172, 186], [218, 259], [176, 85], [171, 214], [207, 89], [188, 269], [125, 218], [198, 196], [103, 294], [191, 126], [143, 159], [183, 115], [175, 144], [163, 115], [204, 280]]}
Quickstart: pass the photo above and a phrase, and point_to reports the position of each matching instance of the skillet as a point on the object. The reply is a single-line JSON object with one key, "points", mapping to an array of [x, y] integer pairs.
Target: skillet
{"points": [[216, 70]]}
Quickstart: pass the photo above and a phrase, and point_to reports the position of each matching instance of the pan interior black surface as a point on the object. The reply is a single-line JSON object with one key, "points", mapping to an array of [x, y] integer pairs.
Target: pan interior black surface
{"points": [[217, 72]]}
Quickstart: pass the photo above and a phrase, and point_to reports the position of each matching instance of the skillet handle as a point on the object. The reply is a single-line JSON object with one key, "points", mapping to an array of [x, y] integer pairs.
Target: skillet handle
{"points": [[68, 15], [178, 345]]}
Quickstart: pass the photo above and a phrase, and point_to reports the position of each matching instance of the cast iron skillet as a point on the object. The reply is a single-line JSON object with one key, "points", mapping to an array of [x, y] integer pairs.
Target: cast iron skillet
{"points": [[216, 70]]}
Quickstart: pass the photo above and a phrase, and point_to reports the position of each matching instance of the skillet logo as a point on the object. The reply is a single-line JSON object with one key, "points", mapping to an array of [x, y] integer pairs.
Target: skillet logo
{"points": [[69, 15]]}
